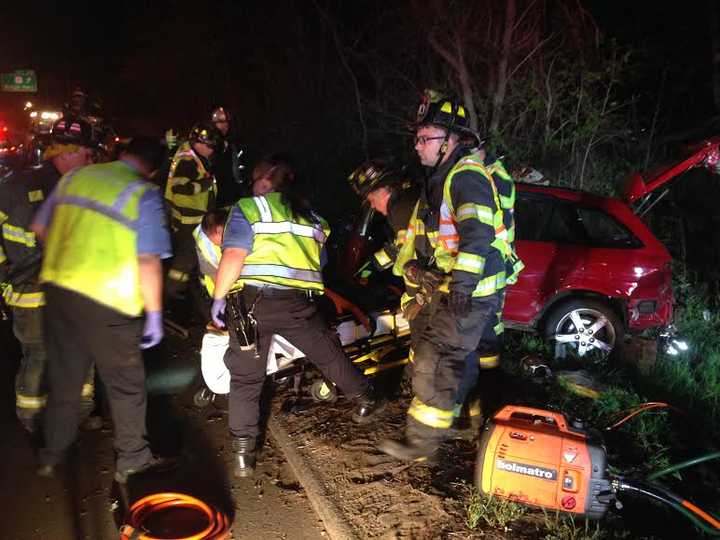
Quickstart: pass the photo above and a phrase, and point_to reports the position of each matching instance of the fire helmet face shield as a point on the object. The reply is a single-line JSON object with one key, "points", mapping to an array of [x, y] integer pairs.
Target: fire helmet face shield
{"points": [[207, 135], [370, 176]]}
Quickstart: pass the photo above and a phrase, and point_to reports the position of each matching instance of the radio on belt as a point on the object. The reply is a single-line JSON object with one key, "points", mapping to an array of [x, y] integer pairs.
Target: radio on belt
{"points": [[538, 457]]}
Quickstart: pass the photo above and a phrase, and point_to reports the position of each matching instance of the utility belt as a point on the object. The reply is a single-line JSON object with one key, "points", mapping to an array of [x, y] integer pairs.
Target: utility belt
{"points": [[240, 316]]}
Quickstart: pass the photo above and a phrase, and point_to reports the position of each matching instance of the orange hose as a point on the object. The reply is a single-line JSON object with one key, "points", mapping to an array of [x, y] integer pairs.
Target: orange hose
{"points": [[634, 411], [218, 527]]}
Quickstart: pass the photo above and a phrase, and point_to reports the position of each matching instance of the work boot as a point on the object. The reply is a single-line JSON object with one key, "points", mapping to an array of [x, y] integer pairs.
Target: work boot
{"points": [[244, 456], [369, 404], [420, 443], [155, 465]]}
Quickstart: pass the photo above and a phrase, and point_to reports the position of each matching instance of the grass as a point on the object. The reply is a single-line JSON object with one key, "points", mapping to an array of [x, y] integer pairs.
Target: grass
{"points": [[491, 511], [564, 527]]}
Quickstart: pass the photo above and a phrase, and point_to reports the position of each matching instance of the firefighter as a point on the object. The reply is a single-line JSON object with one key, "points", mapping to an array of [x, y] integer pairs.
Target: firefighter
{"points": [[388, 192], [105, 234], [456, 231], [21, 194], [190, 193], [271, 265], [228, 164]]}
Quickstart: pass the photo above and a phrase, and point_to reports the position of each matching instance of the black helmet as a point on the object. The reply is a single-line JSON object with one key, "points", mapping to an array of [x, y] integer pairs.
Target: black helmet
{"points": [[372, 175], [202, 133], [438, 110], [72, 130], [219, 114]]}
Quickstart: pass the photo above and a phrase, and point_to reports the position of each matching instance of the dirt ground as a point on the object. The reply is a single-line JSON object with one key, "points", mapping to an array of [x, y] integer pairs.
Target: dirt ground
{"points": [[83, 502]]}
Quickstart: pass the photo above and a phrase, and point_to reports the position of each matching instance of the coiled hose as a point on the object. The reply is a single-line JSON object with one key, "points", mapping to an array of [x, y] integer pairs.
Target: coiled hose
{"points": [[142, 512]]}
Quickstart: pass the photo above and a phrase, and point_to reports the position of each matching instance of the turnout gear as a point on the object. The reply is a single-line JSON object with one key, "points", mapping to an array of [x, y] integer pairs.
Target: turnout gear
{"points": [[93, 238], [21, 194], [459, 304]]}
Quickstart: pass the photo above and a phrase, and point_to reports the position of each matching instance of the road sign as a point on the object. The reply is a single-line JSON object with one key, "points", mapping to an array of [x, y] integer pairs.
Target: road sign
{"points": [[20, 80]]}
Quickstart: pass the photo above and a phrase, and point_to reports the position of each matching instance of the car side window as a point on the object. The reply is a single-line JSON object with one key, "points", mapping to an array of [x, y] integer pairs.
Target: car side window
{"points": [[531, 215], [604, 231]]}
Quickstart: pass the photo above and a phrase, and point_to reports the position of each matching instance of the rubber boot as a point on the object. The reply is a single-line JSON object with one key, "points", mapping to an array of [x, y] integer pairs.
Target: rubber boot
{"points": [[420, 443], [243, 449], [369, 404]]}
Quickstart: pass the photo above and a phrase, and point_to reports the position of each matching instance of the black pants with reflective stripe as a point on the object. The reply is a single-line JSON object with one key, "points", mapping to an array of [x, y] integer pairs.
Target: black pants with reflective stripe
{"points": [[293, 316], [31, 379], [183, 269], [440, 349], [78, 332]]}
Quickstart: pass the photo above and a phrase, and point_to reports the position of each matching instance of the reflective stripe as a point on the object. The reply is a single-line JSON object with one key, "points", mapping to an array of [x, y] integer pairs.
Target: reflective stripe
{"points": [[207, 248], [263, 227], [18, 234], [3, 216], [489, 362], [276, 270], [475, 408], [3, 258], [23, 300], [477, 211], [186, 220], [35, 195], [468, 262], [263, 208], [125, 195], [177, 275], [490, 285], [382, 259], [108, 211], [30, 402], [88, 390], [430, 416]]}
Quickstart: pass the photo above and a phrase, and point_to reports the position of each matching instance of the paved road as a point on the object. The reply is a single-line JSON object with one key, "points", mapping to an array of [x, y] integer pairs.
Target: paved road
{"points": [[78, 504]]}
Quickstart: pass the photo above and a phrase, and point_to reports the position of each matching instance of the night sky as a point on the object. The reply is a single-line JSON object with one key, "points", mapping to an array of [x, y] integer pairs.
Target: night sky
{"points": [[276, 65]]}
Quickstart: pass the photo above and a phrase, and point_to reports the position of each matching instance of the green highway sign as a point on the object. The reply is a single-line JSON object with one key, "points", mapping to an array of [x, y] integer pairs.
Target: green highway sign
{"points": [[20, 80]]}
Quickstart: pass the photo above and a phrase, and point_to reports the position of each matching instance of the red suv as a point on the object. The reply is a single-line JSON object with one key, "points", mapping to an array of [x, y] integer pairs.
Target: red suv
{"points": [[593, 270]]}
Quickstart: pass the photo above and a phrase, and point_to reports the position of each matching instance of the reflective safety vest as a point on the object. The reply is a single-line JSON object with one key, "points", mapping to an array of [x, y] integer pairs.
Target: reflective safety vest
{"points": [[445, 240], [208, 258], [286, 249], [506, 194], [189, 197], [91, 246]]}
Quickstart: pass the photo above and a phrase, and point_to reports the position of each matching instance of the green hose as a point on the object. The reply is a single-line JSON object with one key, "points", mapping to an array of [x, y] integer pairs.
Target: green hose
{"points": [[683, 465]]}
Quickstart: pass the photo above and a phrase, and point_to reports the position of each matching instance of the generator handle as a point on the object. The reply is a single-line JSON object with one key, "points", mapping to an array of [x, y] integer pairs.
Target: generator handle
{"points": [[507, 412]]}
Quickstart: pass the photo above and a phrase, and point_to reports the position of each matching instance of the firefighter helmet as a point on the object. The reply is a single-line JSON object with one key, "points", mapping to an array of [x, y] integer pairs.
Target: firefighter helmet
{"points": [[72, 130], [372, 175], [209, 135], [220, 114], [438, 110]]}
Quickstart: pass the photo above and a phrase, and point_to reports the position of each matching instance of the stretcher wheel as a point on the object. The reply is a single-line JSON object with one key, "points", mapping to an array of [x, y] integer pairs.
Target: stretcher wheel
{"points": [[202, 398], [323, 391]]}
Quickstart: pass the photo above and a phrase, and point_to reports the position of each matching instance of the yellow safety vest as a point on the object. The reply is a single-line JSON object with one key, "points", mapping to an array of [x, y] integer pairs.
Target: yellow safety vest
{"points": [[286, 249], [210, 254], [91, 246]]}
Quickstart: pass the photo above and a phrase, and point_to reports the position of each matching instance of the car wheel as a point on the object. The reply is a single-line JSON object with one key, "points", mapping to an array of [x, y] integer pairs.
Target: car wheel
{"points": [[323, 391], [203, 397], [584, 329]]}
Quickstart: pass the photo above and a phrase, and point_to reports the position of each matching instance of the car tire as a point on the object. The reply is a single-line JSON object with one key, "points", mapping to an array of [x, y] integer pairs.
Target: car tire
{"points": [[600, 337]]}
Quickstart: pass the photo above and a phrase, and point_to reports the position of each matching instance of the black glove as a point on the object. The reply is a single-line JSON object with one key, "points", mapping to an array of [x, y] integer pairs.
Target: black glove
{"points": [[425, 279], [459, 304]]}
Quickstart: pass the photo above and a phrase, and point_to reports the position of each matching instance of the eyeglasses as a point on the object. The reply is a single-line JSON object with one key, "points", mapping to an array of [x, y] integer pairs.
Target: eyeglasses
{"points": [[422, 140]]}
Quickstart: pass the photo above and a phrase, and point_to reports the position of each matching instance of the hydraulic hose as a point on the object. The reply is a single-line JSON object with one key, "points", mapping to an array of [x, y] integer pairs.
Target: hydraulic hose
{"points": [[683, 465], [703, 520], [217, 528]]}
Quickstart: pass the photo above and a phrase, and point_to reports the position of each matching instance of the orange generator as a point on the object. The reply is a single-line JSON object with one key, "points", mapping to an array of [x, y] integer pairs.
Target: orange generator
{"points": [[538, 457]]}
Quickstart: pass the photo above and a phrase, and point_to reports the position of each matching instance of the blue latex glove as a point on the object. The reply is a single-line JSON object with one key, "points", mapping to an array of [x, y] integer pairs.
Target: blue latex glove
{"points": [[217, 312], [153, 330]]}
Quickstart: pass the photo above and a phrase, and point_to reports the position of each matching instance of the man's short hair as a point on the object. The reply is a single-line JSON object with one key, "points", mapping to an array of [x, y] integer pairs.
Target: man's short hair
{"points": [[213, 219], [149, 150]]}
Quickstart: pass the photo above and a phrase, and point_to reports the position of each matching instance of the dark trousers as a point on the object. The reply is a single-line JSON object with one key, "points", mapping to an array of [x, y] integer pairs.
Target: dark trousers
{"points": [[440, 351], [184, 264], [31, 379], [78, 332], [294, 316]]}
